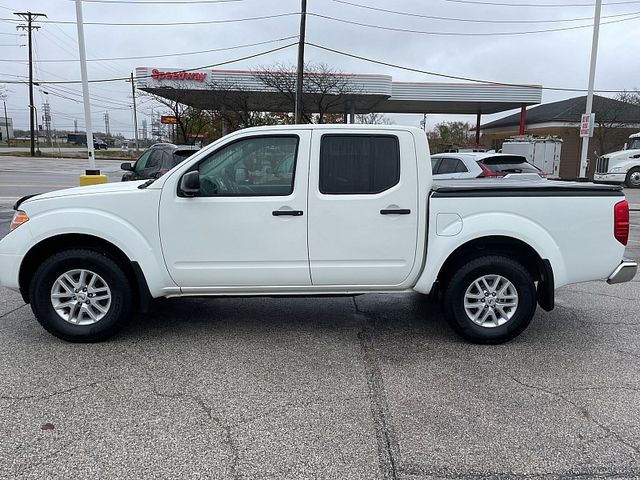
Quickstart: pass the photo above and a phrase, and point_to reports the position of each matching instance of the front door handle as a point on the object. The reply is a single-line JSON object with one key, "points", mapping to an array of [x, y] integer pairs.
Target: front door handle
{"points": [[293, 213], [395, 211]]}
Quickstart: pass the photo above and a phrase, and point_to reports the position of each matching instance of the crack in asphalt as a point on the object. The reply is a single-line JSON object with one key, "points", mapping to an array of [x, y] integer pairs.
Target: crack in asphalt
{"points": [[14, 310], [229, 440], [577, 318], [57, 392], [415, 470], [608, 295], [583, 411], [388, 449], [32, 465]]}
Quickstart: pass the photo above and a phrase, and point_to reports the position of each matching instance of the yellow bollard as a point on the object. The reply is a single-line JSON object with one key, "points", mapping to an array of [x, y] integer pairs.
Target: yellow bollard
{"points": [[92, 177]]}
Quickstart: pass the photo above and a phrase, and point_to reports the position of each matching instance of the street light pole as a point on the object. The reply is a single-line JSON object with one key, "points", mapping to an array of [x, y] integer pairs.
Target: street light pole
{"points": [[135, 113], [85, 91], [592, 74]]}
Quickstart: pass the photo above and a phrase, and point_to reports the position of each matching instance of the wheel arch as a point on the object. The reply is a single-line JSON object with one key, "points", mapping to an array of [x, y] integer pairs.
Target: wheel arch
{"points": [[540, 268], [51, 245]]}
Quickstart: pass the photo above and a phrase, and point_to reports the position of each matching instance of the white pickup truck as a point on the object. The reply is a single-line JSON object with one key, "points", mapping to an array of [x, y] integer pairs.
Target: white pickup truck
{"points": [[622, 166], [312, 210]]}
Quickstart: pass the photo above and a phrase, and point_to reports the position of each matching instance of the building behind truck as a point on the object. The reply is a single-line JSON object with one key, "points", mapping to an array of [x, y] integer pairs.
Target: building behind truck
{"points": [[615, 121]]}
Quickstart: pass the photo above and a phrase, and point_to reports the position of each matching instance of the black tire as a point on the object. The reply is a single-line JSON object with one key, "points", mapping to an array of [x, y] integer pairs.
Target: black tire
{"points": [[632, 179], [464, 276], [40, 293]]}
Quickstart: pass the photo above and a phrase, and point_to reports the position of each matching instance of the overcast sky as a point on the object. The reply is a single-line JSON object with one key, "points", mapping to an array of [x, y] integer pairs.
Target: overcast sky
{"points": [[555, 59]]}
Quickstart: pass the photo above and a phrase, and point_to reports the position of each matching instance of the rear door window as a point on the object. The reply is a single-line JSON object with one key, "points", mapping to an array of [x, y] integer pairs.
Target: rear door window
{"points": [[358, 164], [448, 165], [435, 165], [461, 167]]}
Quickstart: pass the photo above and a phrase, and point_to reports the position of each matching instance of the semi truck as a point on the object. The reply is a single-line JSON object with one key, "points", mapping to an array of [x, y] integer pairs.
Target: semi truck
{"points": [[621, 167]]}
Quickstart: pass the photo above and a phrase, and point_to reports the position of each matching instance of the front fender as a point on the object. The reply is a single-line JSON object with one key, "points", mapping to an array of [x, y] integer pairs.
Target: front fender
{"points": [[490, 224], [138, 247]]}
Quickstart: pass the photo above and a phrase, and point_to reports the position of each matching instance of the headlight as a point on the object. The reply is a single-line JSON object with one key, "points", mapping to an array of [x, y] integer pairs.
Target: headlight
{"points": [[617, 169], [19, 217]]}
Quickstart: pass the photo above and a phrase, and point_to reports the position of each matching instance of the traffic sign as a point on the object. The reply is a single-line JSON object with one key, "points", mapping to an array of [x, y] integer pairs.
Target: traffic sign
{"points": [[168, 119], [586, 124]]}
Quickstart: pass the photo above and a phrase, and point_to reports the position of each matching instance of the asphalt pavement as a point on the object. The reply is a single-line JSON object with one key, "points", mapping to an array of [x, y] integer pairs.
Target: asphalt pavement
{"points": [[370, 387]]}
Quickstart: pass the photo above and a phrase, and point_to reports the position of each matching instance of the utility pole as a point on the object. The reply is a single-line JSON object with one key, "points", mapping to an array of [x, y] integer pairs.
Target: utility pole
{"points": [[6, 121], [300, 73], [75, 126], [592, 74], [29, 17], [135, 114]]}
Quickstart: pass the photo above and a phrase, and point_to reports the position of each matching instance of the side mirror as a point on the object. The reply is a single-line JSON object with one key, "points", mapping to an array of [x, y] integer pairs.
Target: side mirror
{"points": [[190, 183], [126, 166]]}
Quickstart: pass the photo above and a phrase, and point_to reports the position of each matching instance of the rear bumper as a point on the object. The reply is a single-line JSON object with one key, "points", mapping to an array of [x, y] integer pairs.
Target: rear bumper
{"points": [[623, 272], [609, 177]]}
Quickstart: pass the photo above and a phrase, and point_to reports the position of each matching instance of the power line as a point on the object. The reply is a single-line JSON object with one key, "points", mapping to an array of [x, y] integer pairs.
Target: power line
{"points": [[178, 54], [160, 2], [104, 80], [543, 5], [473, 20], [168, 24], [466, 34], [454, 77]]}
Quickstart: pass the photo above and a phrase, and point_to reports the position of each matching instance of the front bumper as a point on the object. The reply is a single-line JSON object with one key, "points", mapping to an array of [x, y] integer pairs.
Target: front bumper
{"points": [[10, 270], [623, 272], [609, 177]]}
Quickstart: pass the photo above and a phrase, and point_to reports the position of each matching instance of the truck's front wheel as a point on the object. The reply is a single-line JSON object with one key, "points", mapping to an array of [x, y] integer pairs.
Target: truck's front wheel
{"points": [[633, 178], [490, 299], [80, 296]]}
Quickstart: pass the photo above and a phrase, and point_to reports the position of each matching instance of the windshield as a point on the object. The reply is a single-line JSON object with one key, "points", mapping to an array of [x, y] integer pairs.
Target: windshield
{"points": [[634, 144]]}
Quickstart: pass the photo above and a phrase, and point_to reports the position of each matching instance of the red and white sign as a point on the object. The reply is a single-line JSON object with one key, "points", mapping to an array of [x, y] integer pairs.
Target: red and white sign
{"points": [[586, 124], [189, 76]]}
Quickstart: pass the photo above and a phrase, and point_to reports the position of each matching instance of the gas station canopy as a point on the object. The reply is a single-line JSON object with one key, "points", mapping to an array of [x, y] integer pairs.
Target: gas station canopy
{"points": [[211, 89]]}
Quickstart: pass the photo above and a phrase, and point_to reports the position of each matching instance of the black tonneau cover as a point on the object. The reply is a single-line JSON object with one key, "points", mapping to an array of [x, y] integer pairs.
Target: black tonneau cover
{"points": [[522, 188]]}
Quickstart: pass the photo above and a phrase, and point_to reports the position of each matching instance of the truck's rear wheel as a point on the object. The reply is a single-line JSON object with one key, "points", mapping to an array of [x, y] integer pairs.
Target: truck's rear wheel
{"points": [[80, 296], [633, 178], [490, 299]]}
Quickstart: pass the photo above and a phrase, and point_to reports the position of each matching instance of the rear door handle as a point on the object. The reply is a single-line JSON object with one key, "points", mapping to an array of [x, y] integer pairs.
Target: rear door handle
{"points": [[293, 213], [395, 211]]}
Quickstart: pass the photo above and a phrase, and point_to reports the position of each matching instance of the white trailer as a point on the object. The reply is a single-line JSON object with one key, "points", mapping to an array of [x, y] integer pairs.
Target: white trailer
{"points": [[544, 153]]}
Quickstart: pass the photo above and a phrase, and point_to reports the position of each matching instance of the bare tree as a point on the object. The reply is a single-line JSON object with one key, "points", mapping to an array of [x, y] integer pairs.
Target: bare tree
{"points": [[324, 88], [612, 117], [373, 119], [629, 97], [237, 107], [190, 121], [449, 134]]}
